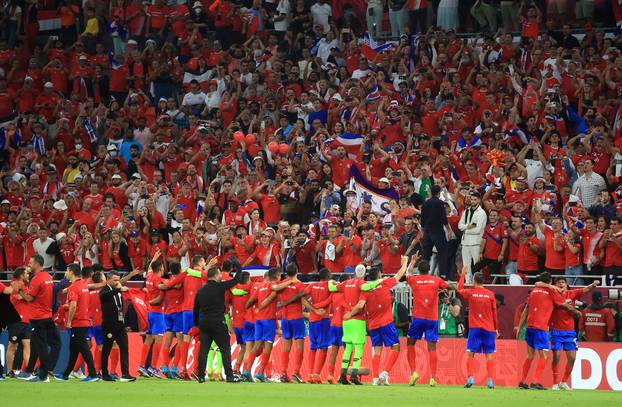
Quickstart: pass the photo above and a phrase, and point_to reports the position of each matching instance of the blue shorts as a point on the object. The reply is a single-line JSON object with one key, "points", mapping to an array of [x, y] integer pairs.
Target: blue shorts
{"points": [[174, 322], [481, 341], [420, 326], [293, 328], [319, 334], [563, 340], [336, 336], [157, 324], [187, 321], [537, 339], [265, 330], [249, 332], [384, 336], [239, 336], [96, 332]]}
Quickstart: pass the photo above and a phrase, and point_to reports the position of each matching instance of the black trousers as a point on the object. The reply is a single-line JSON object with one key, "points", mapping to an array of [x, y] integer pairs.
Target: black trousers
{"points": [[492, 266], [78, 345], [215, 331], [115, 333], [44, 334], [438, 240]]}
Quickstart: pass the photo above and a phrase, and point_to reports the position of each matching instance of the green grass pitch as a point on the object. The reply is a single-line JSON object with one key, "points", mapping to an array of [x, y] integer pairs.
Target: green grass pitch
{"points": [[152, 392]]}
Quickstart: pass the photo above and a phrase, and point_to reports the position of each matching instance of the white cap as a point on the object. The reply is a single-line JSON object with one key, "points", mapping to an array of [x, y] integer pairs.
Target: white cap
{"points": [[132, 42], [136, 175], [60, 205], [59, 236], [5, 202], [48, 85], [28, 78], [111, 147], [116, 176], [197, 4], [337, 96], [383, 179], [360, 271], [82, 58]]}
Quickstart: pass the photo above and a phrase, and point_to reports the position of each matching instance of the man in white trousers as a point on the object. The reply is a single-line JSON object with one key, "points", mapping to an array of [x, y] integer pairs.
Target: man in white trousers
{"points": [[472, 224]]}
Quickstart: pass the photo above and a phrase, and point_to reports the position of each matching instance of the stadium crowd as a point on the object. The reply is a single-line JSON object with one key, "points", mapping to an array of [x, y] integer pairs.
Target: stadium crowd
{"points": [[148, 138]]}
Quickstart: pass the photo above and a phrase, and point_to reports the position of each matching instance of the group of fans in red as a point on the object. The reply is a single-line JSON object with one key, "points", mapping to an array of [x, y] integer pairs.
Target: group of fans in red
{"points": [[340, 315]]}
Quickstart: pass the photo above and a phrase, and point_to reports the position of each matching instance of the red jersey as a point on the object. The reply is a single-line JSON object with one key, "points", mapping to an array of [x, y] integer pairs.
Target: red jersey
{"points": [[425, 295], [482, 307], [320, 298], [250, 311], [341, 169], [238, 305], [351, 290], [293, 310], [494, 236], [78, 291], [153, 292], [262, 292], [540, 305], [95, 308], [336, 265], [527, 258], [572, 259], [42, 289], [266, 256], [336, 311], [598, 324], [561, 319], [20, 305], [190, 287], [554, 260], [513, 245], [305, 257], [379, 304], [173, 297], [351, 257], [391, 263], [271, 209]]}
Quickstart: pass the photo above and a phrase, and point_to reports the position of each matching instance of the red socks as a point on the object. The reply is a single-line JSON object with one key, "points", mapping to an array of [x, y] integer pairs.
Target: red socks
{"points": [[263, 361], [248, 364], [320, 358], [490, 367], [79, 363], [412, 358], [299, 355], [155, 354], [556, 373], [177, 355], [165, 355], [393, 355], [183, 354], [115, 355], [97, 358], [143, 354], [433, 363], [375, 365], [567, 372], [470, 366], [311, 360], [539, 369], [526, 367], [284, 362]]}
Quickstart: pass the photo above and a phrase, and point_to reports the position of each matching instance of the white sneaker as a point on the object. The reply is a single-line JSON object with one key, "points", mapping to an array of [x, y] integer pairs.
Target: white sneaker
{"points": [[375, 381], [77, 375], [555, 387], [384, 377], [564, 386]]}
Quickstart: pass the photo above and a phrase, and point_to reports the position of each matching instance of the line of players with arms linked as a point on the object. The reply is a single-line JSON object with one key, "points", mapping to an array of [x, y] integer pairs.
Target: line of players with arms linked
{"points": [[340, 315]]}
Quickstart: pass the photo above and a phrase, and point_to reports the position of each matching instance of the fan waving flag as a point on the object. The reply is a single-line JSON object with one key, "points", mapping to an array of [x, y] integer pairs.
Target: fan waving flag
{"points": [[365, 191], [350, 141], [371, 49], [373, 95], [256, 270]]}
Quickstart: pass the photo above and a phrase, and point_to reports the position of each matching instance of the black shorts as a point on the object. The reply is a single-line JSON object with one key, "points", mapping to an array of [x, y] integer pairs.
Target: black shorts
{"points": [[19, 331]]}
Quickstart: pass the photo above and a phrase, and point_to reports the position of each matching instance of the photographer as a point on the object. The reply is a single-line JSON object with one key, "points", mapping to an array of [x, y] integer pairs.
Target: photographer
{"points": [[449, 321]]}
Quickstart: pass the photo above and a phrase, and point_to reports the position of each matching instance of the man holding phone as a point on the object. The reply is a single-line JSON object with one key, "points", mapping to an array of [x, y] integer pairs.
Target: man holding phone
{"points": [[472, 224]]}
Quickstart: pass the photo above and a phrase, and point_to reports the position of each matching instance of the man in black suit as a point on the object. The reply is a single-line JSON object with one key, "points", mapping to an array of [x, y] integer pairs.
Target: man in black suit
{"points": [[209, 316], [434, 222], [113, 324]]}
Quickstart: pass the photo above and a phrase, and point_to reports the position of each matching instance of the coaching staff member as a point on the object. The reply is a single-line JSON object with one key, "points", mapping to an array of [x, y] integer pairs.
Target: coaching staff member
{"points": [[209, 316], [113, 325], [434, 222], [40, 295]]}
